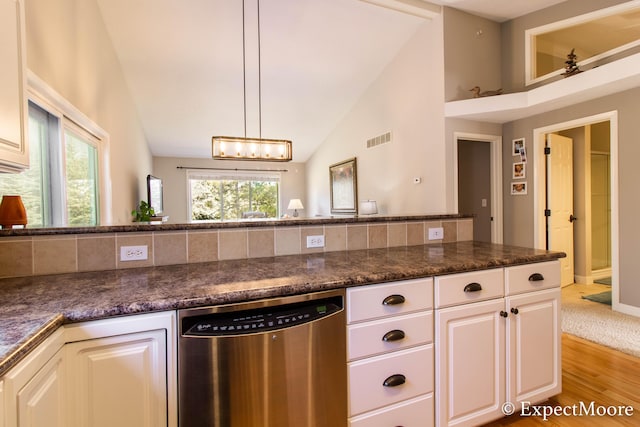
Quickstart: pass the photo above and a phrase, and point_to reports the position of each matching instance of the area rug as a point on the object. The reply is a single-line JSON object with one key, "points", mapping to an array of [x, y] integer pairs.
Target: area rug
{"points": [[602, 297], [597, 322], [603, 281]]}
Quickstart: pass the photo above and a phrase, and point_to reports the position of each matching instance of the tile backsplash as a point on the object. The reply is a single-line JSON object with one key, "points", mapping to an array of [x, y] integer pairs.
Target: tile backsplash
{"points": [[39, 255]]}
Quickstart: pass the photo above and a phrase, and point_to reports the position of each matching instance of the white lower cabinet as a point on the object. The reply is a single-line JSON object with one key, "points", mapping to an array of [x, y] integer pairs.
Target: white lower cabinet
{"points": [[41, 402], [503, 349], [390, 354], [1, 404], [118, 381], [114, 372]]}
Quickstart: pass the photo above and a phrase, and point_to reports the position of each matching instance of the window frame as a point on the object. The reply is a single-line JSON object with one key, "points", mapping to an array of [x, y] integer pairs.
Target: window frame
{"points": [[70, 117], [215, 174]]}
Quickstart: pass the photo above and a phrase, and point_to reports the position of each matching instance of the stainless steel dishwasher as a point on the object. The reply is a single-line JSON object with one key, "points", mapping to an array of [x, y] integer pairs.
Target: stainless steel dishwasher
{"points": [[270, 363]]}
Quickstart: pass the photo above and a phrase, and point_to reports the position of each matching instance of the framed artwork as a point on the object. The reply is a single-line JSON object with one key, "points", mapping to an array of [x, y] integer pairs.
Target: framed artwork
{"points": [[518, 146], [343, 186], [519, 170], [518, 188]]}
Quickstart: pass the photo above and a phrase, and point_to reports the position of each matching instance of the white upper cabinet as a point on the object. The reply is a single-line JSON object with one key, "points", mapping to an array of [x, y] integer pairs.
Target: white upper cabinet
{"points": [[14, 152]]}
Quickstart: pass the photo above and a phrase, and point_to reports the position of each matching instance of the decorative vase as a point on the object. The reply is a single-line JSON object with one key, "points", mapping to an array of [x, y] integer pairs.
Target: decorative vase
{"points": [[12, 212]]}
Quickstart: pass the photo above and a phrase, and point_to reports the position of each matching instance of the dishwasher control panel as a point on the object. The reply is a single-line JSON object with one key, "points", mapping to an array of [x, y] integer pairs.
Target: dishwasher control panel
{"points": [[259, 320]]}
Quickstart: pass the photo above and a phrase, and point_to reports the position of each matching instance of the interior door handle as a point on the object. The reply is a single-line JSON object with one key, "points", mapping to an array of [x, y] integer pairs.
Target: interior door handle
{"points": [[572, 218]]}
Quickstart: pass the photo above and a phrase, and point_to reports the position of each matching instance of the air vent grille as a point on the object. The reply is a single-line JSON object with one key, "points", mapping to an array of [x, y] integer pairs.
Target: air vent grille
{"points": [[378, 140]]}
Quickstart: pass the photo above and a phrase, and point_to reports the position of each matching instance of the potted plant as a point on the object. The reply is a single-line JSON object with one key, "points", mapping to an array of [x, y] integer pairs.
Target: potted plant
{"points": [[143, 213]]}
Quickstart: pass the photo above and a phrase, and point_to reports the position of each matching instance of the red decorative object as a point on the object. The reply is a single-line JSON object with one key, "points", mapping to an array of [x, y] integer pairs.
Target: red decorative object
{"points": [[12, 212]]}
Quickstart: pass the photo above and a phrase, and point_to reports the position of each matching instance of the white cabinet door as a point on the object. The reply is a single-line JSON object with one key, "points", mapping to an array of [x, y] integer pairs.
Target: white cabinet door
{"points": [[41, 402], [14, 154], [119, 381], [470, 374], [534, 365]]}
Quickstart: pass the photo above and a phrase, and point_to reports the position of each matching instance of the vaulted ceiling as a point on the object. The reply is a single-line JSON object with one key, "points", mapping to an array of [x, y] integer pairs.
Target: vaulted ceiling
{"points": [[183, 63]]}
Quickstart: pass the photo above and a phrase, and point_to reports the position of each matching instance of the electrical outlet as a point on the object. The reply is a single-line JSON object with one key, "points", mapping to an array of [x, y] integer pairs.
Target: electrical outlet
{"points": [[134, 253], [315, 241], [436, 233]]}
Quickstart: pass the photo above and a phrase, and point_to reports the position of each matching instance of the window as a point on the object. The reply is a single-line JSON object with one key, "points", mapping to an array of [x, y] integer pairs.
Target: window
{"points": [[596, 37], [223, 197], [61, 187]]}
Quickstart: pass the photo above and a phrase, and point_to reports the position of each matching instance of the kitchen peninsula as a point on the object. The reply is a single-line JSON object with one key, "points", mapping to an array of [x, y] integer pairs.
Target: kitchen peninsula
{"points": [[34, 308]]}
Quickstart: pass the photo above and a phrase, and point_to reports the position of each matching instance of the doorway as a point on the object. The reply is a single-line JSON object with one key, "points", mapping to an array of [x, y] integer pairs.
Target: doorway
{"points": [[478, 183], [592, 216]]}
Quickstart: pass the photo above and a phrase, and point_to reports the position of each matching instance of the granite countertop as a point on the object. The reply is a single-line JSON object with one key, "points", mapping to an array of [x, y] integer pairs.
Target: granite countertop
{"points": [[32, 308]]}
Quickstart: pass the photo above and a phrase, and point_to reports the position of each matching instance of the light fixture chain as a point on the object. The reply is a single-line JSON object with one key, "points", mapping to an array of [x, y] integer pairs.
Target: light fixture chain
{"points": [[244, 69], [259, 78]]}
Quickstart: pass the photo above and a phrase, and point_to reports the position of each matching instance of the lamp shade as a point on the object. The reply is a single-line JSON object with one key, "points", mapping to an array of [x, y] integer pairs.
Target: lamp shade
{"points": [[12, 212], [295, 204], [368, 207]]}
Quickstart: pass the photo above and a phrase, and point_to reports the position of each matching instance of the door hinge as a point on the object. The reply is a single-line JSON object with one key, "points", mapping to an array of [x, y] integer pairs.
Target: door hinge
{"points": [[547, 212], [547, 150]]}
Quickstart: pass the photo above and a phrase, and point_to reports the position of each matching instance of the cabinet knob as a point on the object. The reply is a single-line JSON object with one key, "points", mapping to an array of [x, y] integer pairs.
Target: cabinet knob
{"points": [[504, 314], [536, 277], [514, 310], [393, 300], [394, 380], [395, 335], [473, 287]]}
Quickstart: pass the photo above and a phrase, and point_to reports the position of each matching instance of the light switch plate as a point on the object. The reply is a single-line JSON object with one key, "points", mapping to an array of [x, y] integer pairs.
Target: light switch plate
{"points": [[436, 233]]}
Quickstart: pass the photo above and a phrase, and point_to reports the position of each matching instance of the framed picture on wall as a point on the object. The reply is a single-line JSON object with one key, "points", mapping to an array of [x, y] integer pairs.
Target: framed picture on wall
{"points": [[343, 185], [518, 146], [519, 170], [518, 188]]}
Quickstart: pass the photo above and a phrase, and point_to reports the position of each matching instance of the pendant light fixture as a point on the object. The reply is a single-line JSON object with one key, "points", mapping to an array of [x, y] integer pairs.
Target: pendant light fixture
{"points": [[243, 148]]}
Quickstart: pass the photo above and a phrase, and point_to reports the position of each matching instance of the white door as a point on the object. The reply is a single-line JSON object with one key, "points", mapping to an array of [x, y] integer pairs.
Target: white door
{"points": [[470, 360], [533, 332], [41, 402], [560, 202], [119, 381]]}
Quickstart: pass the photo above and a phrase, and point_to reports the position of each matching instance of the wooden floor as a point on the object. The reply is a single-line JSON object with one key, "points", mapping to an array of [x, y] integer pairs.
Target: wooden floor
{"points": [[590, 372]]}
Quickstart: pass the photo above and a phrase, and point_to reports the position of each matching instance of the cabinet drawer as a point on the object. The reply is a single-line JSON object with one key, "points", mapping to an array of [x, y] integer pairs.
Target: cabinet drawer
{"points": [[416, 412], [366, 339], [450, 290], [531, 277], [366, 378], [367, 302]]}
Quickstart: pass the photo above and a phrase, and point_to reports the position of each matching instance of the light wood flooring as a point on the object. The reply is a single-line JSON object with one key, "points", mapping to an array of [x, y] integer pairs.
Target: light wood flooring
{"points": [[591, 372]]}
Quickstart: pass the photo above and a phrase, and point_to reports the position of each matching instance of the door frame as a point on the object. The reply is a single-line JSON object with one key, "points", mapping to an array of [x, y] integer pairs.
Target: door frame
{"points": [[495, 142], [539, 185]]}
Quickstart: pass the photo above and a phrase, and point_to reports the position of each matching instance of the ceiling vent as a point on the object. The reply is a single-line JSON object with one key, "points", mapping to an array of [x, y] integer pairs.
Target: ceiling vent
{"points": [[379, 140]]}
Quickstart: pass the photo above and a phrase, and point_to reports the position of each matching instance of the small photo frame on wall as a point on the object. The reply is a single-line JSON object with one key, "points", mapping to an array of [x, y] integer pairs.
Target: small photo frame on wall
{"points": [[518, 146], [344, 187], [519, 170], [518, 188]]}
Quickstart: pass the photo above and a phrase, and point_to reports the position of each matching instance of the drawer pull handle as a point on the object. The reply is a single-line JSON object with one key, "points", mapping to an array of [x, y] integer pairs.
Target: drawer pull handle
{"points": [[473, 287], [504, 314], [394, 380], [395, 335], [393, 300], [536, 277], [514, 310]]}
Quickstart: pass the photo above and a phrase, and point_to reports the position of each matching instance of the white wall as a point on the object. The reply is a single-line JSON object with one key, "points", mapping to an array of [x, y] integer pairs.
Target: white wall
{"points": [[174, 180], [68, 47], [406, 99]]}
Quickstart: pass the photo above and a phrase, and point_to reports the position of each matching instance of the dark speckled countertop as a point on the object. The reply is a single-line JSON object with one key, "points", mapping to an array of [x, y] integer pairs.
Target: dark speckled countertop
{"points": [[31, 308]]}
